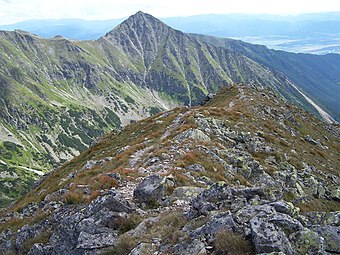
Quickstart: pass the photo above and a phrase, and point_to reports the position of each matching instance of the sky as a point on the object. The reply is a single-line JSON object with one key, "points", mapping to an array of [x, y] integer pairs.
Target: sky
{"points": [[12, 11]]}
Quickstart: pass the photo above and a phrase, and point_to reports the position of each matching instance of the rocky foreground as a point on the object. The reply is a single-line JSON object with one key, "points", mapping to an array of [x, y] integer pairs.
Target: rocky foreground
{"points": [[246, 173]]}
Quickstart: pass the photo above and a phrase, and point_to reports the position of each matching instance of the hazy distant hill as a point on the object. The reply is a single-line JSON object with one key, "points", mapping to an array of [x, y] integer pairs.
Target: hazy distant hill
{"points": [[307, 33]]}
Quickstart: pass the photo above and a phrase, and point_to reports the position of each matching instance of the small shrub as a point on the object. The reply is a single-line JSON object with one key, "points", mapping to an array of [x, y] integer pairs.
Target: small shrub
{"points": [[94, 195], [230, 243], [320, 205], [74, 197], [103, 182], [126, 224], [124, 245], [289, 196]]}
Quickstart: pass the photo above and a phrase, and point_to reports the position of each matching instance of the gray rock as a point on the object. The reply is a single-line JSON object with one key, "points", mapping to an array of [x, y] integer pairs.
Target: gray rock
{"points": [[218, 222], [272, 253], [151, 189], [331, 234], [55, 195], [115, 176], [113, 201], [5, 240], [307, 242], [333, 219], [335, 194], [311, 140], [186, 193], [248, 212], [36, 249], [238, 204], [267, 237], [143, 249], [285, 207], [28, 232], [195, 168], [196, 247], [285, 222], [194, 134], [89, 165], [89, 241]]}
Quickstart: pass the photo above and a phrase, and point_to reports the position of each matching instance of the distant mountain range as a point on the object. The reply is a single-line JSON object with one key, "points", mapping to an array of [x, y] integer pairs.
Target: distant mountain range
{"points": [[57, 96], [317, 33]]}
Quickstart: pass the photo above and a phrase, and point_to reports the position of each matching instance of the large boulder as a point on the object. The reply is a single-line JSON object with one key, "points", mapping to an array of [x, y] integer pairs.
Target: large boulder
{"points": [[331, 234], [267, 237], [307, 242], [219, 222], [143, 249], [112, 201], [194, 134], [150, 190], [95, 241], [37, 249], [5, 240]]}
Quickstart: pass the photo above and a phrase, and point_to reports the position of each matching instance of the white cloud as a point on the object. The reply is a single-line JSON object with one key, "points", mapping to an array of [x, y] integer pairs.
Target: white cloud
{"points": [[16, 10]]}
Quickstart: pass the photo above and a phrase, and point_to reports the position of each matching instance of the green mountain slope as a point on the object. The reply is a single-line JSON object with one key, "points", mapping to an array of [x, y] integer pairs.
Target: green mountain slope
{"points": [[237, 175], [318, 76], [58, 96]]}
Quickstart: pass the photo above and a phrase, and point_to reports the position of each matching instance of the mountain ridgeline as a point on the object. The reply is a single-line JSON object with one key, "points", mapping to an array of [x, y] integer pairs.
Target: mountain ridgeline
{"points": [[58, 96], [246, 173]]}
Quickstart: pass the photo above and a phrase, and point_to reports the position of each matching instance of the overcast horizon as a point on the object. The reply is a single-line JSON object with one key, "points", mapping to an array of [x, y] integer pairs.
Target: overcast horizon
{"points": [[13, 11]]}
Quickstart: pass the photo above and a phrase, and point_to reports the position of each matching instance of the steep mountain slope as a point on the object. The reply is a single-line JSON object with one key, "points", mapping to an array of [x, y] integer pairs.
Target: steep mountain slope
{"points": [[246, 173], [56, 98], [317, 76], [58, 95]]}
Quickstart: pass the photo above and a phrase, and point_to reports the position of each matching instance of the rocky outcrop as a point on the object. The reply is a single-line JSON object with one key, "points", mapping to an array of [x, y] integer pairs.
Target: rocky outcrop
{"points": [[160, 187]]}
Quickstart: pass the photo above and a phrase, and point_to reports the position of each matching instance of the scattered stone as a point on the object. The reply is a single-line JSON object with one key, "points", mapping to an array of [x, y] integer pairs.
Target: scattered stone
{"points": [[194, 134], [186, 193], [195, 168], [111, 200], [331, 234], [307, 242], [95, 241], [37, 249], [336, 194], [151, 189], [311, 140], [143, 249]]}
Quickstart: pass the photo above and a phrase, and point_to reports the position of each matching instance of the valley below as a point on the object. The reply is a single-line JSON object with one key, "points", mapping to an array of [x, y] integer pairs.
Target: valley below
{"points": [[149, 140]]}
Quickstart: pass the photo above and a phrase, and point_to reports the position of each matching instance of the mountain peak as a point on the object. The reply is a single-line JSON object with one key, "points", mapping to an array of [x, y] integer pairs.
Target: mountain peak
{"points": [[140, 35], [141, 22]]}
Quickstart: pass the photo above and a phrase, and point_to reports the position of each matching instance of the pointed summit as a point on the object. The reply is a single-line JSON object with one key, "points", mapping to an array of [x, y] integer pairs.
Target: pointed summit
{"points": [[140, 35], [143, 20]]}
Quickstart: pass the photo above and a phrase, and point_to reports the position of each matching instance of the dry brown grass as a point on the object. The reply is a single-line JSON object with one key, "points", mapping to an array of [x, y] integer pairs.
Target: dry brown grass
{"points": [[103, 181], [319, 205], [17, 223], [230, 243], [74, 197]]}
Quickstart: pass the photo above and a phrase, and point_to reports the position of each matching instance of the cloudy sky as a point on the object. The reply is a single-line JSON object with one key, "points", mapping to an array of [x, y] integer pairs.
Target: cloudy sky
{"points": [[12, 11]]}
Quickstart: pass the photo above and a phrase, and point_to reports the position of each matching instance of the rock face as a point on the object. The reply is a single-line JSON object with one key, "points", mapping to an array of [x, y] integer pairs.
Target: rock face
{"points": [[157, 187], [151, 189]]}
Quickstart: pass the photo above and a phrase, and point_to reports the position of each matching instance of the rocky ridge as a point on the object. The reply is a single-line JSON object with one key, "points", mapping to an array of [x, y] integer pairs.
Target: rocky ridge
{"points": [[58, 96], [246, 173]]}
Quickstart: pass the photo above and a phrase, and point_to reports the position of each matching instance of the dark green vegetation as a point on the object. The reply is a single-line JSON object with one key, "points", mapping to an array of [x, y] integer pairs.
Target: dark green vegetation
{"points": [[58, 96]]}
